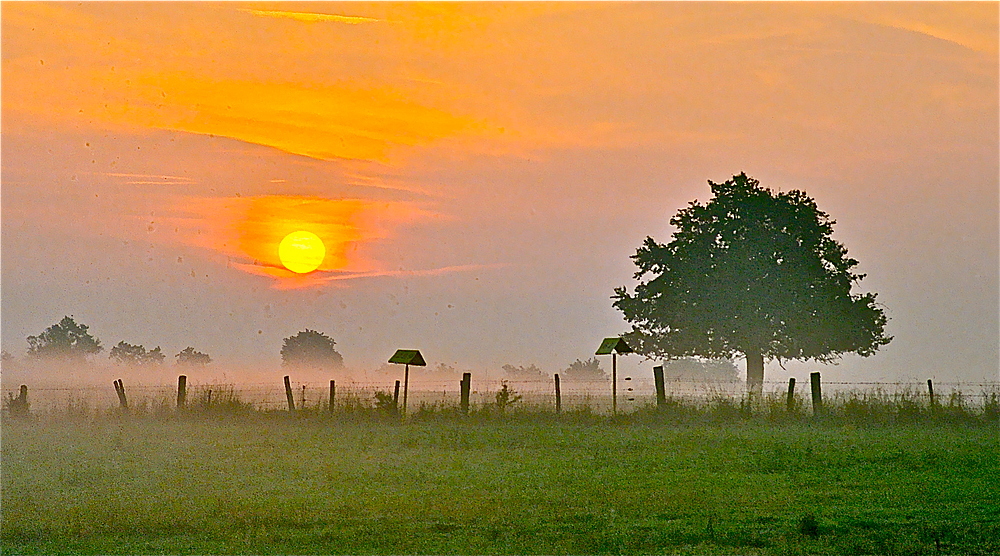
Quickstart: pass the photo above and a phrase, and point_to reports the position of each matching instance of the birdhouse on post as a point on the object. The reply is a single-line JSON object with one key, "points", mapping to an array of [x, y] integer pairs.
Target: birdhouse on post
{"points": [[407, 357], [613, 346]]}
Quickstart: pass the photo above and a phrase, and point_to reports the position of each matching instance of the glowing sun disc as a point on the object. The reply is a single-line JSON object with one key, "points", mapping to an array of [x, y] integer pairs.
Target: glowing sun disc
{"points": [[301, 252]]}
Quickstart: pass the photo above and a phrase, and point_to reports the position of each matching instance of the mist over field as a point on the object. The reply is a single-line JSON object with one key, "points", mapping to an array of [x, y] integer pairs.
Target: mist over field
{"points": [[481, 173]]}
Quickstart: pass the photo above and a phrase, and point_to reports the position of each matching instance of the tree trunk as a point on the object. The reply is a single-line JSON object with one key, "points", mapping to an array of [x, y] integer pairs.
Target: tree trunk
{"points": [[755, 372]]}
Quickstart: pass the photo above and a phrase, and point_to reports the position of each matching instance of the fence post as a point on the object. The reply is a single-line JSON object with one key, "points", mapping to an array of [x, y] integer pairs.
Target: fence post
{"points": [[558, 396], [930, 391], [661, 391], [790, 401], [817, 394], [181, 391], [466, 386], [19, 407], [302, 404], [333, 393], [288, 395], [120, 390], [395, 399]]}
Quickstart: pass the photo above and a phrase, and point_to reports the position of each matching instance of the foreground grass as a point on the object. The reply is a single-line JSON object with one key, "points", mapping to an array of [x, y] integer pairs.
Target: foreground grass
{"points": [[276, 485]]}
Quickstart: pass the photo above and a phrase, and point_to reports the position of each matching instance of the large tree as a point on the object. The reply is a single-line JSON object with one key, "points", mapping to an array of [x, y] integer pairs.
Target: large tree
{"points": [[751, 272], [310, 348], [65, 339]]}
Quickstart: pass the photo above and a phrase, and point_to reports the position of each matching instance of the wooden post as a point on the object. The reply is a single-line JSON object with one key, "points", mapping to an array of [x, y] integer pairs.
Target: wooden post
{"points": [[120, 390], [395, 399], [661, 391], [181, 391], [614, 384], [288, 395], [558, 396], [790, 400], [930, 391], [406, 386], [817, 394], [466, 386], [333, 393], [302, 404], [19, 406]]}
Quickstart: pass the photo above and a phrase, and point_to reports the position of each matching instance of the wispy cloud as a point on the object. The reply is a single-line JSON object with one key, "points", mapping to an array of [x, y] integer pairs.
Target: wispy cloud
{"points": [[148, 179], [288, 280], [310, 17]]}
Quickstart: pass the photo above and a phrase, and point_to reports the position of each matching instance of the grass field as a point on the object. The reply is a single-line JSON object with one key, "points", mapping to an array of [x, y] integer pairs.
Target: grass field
{"points": [[277, 484]]}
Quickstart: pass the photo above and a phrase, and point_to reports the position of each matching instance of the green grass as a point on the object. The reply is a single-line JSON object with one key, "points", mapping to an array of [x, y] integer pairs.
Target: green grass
{"points": [[269, 484]]}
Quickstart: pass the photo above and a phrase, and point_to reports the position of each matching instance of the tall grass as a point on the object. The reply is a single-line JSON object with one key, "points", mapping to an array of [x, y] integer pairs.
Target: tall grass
{"points": [[874, 407]]}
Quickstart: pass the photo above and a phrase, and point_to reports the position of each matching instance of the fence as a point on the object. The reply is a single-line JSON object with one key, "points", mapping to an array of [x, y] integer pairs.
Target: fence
{"points": [[540, 392]]}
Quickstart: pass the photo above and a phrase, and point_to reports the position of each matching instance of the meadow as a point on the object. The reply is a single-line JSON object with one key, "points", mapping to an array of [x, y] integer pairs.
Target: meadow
{"points": [[677, 481]]}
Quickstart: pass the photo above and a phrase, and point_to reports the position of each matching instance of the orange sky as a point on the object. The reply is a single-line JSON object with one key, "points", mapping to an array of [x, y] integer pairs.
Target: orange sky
{"points": [[481, 172]]}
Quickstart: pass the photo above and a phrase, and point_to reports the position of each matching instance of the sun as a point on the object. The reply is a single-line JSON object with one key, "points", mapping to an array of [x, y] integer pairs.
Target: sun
{"points": [[301, 252]]}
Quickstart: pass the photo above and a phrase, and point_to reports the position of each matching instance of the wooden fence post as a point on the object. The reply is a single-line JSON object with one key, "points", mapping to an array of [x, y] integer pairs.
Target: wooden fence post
{"points": [[817, 394], [288, 395], [19, 406], [558, 396], [120, 390], [181, 391], [930, 391], [333, 393], [466, 386], [395, 399], [790, 400], [661, 391]]}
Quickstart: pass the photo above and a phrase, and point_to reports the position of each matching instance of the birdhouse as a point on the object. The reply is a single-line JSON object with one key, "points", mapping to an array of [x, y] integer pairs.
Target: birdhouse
{"points": [[613, 345], [408, 357]]}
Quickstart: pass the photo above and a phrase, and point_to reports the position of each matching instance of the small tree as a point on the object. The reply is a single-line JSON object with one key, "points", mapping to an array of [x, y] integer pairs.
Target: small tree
{"points": [[506, 397], [66, 339], [191, 358], [751, 272], [589, 369], [127, 354], [310, 348]]}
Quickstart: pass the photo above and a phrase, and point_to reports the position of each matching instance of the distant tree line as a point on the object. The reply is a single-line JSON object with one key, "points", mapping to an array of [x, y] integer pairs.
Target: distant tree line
{"points": [[312, 349], [69, 340]]}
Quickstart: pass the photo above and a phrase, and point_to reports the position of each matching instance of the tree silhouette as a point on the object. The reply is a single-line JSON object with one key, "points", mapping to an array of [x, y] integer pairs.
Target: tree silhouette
{"points": [[66, 339], [188, 356], [128, 354], [752, 272], [310, 348], [589, 369], [521, 372]]}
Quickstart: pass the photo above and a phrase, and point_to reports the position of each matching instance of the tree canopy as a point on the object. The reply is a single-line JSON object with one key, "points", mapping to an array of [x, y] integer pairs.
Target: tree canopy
{"points": [[129, 354], [65, 339], [588, 369], [310, 348], [188, 356], [752, 272]]}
